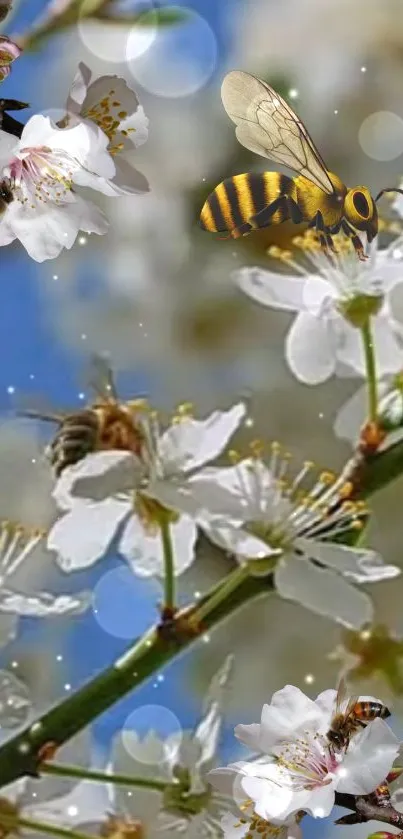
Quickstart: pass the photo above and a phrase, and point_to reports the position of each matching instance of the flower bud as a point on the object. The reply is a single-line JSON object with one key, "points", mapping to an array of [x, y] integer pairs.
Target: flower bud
{"points": [[8, 53]]}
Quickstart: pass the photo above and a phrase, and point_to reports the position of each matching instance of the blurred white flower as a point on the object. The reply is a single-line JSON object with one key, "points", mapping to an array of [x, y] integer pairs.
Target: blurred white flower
{"points": [[280, 526], [17, 546], [298, 770], [334, 297], [114, 493], [188, 806], [15, 701], [115, 109]]}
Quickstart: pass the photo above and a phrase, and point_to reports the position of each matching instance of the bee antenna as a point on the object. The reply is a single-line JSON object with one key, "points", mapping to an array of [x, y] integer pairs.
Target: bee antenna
{"points": [[56, 418], [382, 192]]}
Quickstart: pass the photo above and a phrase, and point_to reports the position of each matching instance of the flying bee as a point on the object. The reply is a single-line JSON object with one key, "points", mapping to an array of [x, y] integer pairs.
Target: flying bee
{"points": [[354, 715], [268, 126], [106, 423]]}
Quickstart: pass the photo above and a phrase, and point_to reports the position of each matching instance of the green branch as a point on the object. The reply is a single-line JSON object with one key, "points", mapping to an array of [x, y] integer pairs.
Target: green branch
{"points": [[22, 754]]}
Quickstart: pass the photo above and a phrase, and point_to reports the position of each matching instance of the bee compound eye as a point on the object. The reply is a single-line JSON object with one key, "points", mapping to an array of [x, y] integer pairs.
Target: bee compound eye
{"points": [[361, 204]]}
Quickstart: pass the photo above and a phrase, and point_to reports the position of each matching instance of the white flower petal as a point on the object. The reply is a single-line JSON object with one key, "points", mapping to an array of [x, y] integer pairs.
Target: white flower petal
{"points": [[311, 349], [323, 592], [83, 535], [290, 710], [78, 89], [135, 122], [98, 476], [143, 548], [270, 289], [191, 443], [368, 759], [127, 181], [8, 145], [234, 539], [244, 491], [88, 803], [352, 562], [43, 604], [352, 416]]}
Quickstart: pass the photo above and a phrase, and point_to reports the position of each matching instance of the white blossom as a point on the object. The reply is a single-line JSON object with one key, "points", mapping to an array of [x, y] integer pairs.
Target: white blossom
{"points": [[114, 107], [333, 296], [297, 768], [246, 824], [279, 525], [114, 493]]}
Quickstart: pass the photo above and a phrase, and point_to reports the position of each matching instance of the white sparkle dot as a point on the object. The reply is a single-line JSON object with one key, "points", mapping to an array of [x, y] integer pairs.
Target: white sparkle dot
{"points": [[335, 112], [67, 686], [160, 678], [249, 422], [24, 748], [72, 810], [55, 277], [363, 69], [365, 634], [82, 240], [34, 794], [59, 658], [321, 415], [81, 395], [130, 793], [83, 337], [309, 679], [11, 389], [319, 812], [31, 376], [140, 324], [197, 595], [33, 460], [206, 638], [149, 643], [14, 664], [293, 93], [203, 179]]}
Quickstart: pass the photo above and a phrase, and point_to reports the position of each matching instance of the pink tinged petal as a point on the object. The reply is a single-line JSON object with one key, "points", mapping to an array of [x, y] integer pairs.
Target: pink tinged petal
{"points": [[322, 591], [8, 51], [270, 289], [143, 549], [191, 443], [43, 605], [368, 760], [97, 477], [83, 535], [78, 90], [311, 347]]}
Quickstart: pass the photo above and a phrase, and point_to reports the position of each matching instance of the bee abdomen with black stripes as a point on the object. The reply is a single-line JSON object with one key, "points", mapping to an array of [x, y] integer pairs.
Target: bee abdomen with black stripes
{"points": [[236, 200]]}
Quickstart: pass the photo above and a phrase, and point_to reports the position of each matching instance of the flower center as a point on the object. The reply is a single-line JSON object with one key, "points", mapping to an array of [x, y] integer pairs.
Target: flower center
{"points": [[308, 762], [108, 115], [41, 175], [358, 309], [258, 828], [151, 513]]}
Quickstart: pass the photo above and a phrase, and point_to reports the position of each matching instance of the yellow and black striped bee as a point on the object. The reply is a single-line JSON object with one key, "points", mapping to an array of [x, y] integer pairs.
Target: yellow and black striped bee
{"points": [[106, 423], [268, 126], [352, 717]]}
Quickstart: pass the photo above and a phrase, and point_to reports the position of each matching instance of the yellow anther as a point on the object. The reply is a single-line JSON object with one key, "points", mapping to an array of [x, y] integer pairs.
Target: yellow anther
{"points": [[275, 447], [234, 456], [185, 409], [346, 490], [327, 478], [257, 448], [357, 524], [275, 252], [349, 507], [309, 464]]}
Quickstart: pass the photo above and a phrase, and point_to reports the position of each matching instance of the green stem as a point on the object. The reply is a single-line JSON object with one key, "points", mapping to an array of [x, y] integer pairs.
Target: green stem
{"points": [[43, 827], [169, 567], [230, 584], [370, 366], [94, 775]]}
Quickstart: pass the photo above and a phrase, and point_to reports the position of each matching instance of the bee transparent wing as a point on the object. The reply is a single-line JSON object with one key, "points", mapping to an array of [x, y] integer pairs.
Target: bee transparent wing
{"points": [[344, 702], [36, 407], [101, 379], [268, 126]]}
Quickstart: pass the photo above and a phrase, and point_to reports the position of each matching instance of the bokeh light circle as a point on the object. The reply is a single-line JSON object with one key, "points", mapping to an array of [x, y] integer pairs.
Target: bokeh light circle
{"points": [[116, 43], [381, 135], [181, 59], [123, 604], [163, 724]]}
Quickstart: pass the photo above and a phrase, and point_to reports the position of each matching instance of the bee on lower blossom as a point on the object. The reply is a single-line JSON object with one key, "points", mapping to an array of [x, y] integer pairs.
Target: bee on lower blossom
{"points": [[105, 423], [351, 718]]}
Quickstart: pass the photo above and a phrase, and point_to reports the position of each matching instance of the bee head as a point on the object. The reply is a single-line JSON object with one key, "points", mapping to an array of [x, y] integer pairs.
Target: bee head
{"points": [[336, 738], [360, 210]]}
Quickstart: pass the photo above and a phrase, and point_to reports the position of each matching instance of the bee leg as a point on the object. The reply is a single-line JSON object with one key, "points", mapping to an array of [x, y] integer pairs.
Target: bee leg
{"points": [[287, 206], [355, 240]]}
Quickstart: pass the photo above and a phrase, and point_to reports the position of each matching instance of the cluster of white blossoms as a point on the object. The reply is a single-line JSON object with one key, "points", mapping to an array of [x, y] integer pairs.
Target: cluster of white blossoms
{"points": [[266, 519], [44, 167], [296, 770]]}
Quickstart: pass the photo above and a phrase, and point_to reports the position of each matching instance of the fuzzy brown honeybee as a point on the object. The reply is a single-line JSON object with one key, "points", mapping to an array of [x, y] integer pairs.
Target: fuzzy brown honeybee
{"points": [[352, 717], [106, 423], [268, 126]]}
